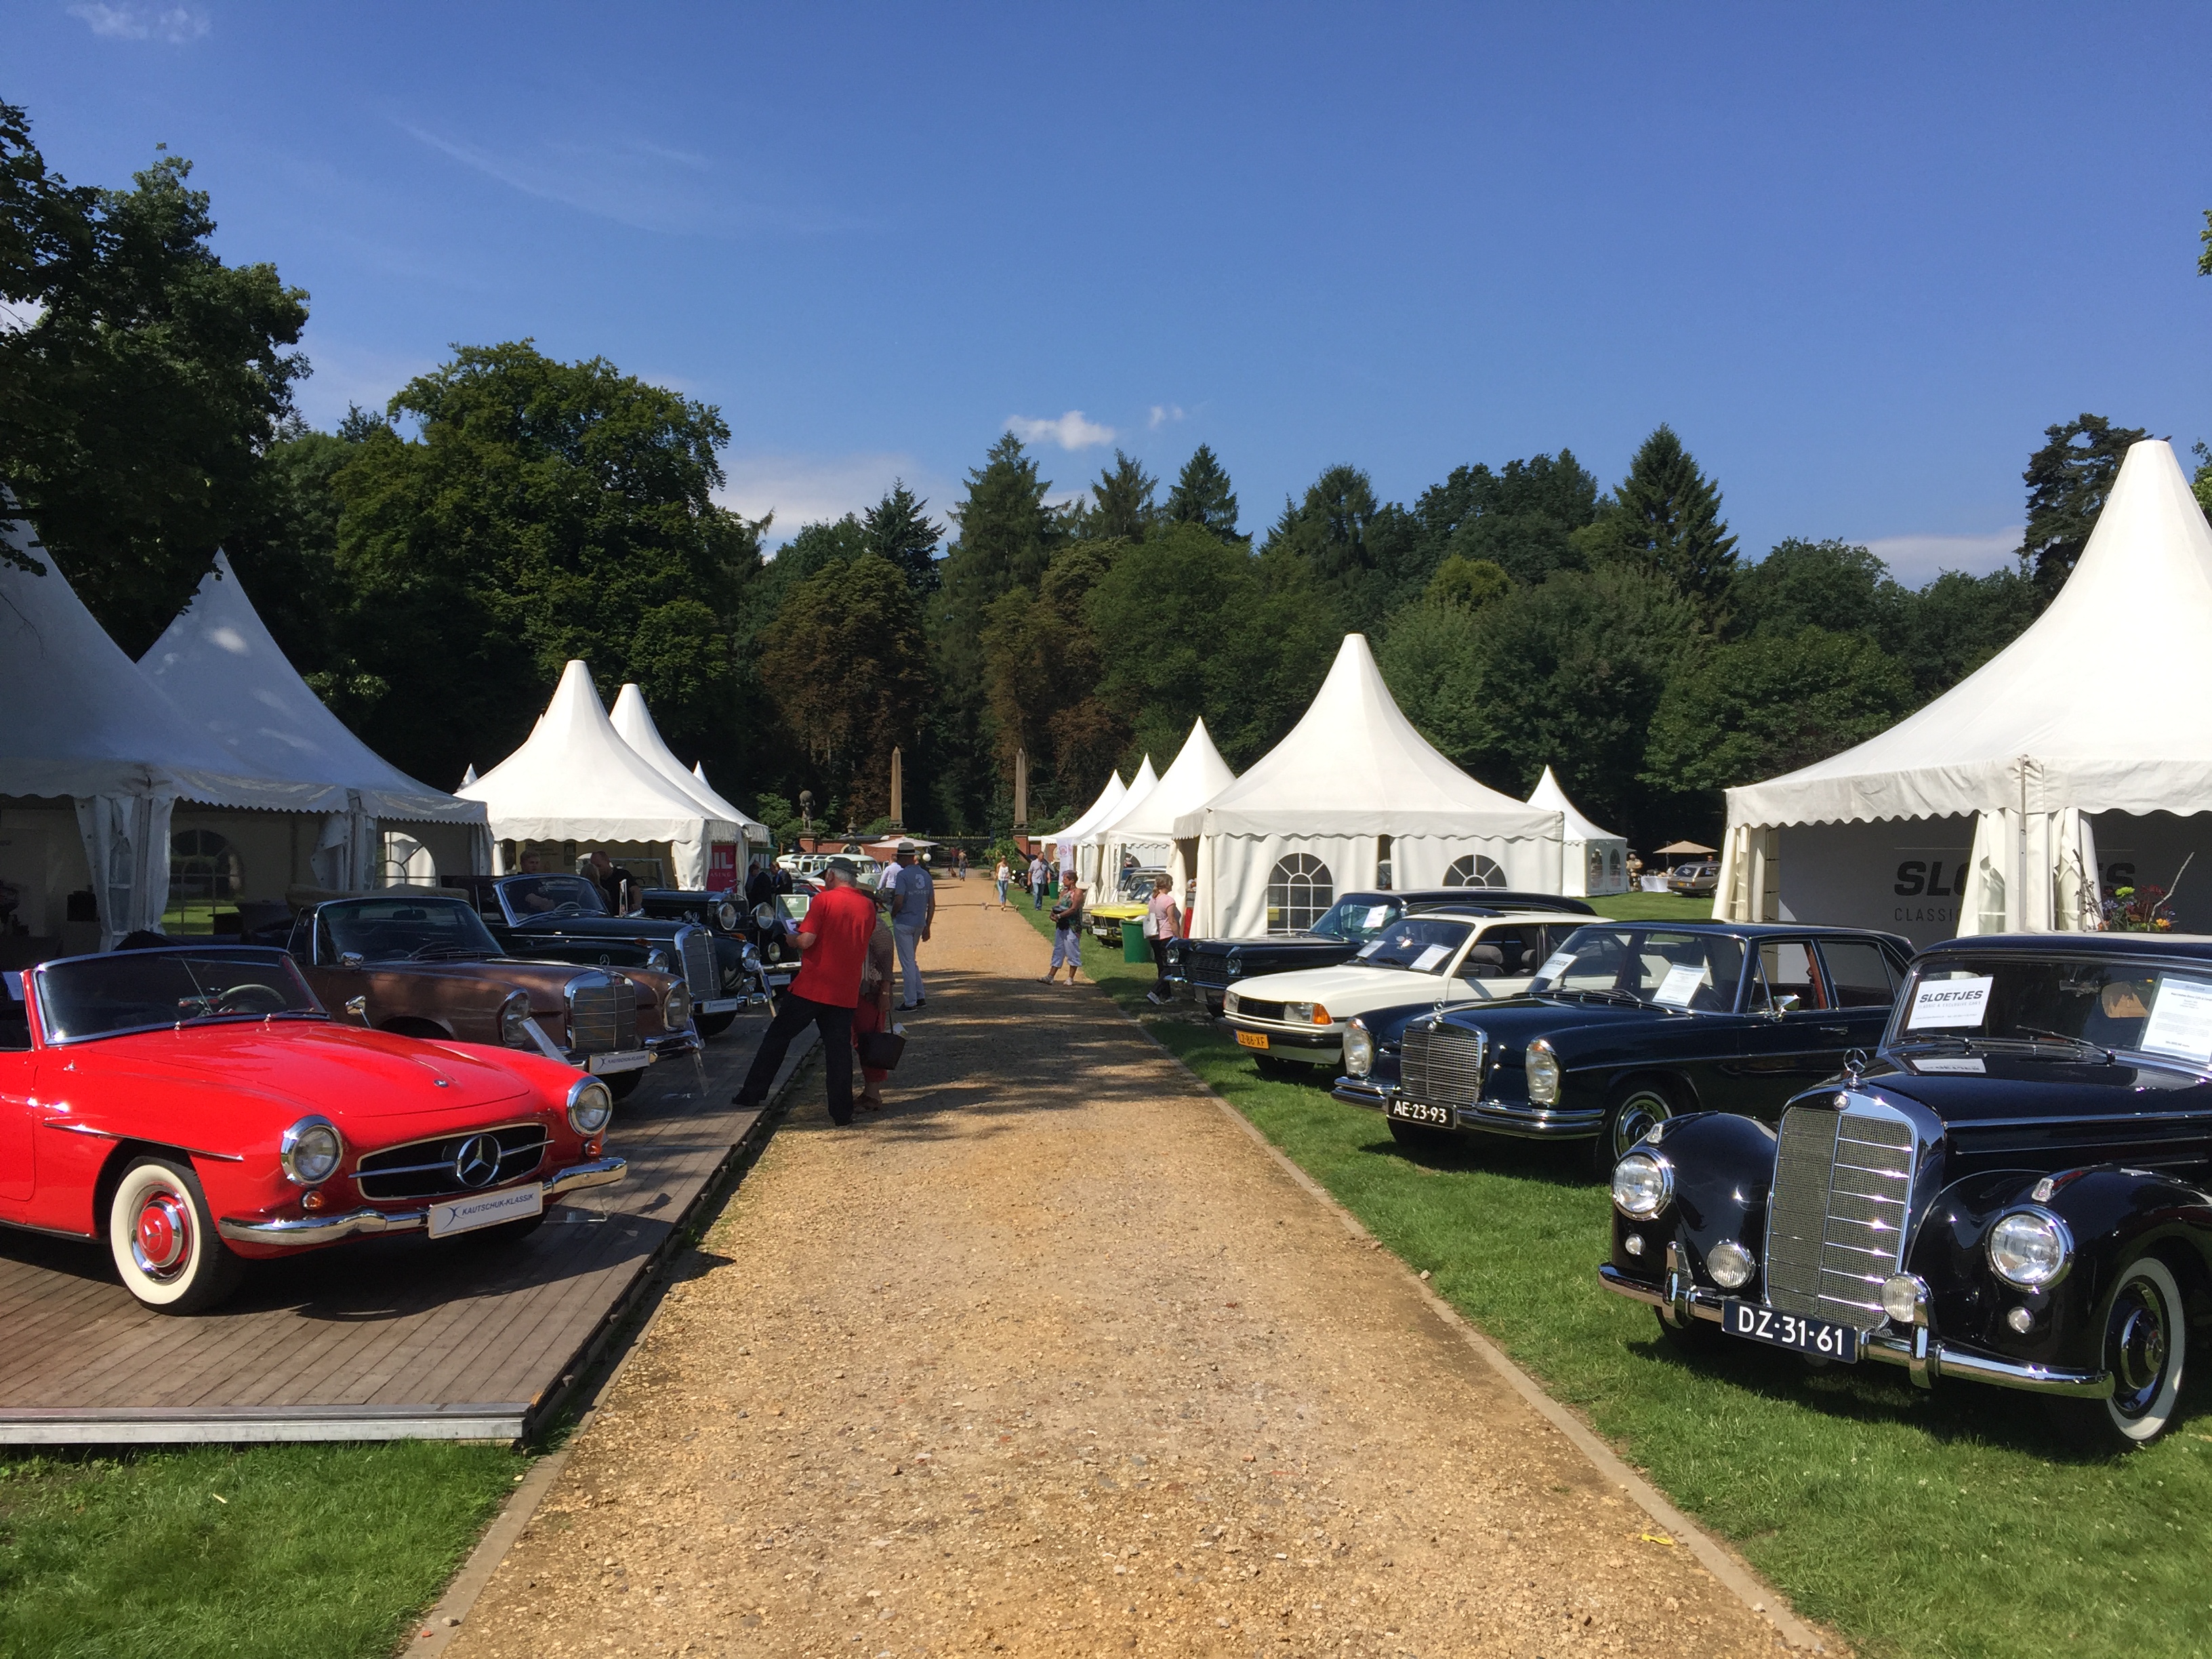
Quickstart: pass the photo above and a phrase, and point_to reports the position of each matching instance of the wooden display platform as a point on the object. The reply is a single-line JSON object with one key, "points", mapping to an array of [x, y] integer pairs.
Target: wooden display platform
{"points": [[383, 1338]]}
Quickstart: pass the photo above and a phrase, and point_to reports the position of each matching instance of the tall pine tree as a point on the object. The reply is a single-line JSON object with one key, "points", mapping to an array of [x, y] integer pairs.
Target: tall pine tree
{"points": [[1666, 519], [2067, 480], [900, 532], [1122, 504], [1202, 496]]}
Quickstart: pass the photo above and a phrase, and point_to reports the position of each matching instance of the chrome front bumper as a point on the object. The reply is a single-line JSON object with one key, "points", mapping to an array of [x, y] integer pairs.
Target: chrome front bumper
{"points": [[1679, 1302], [1495, 1117], [354, 1223], [685, 1041]]}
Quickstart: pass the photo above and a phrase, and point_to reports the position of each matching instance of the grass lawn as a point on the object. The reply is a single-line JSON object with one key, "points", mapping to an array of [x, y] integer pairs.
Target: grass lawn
{"points": [[1940, 1523], [277, 1551]]}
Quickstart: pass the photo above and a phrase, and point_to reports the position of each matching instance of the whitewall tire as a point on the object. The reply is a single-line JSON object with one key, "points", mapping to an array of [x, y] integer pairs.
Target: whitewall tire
{"points": [[162, 1236]]}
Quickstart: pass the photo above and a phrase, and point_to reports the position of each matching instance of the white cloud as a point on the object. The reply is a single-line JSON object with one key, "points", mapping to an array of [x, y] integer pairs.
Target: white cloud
{"points": [[1915, 560], [1163, 413], [176, 25], [804, 490], [1070, 431]]}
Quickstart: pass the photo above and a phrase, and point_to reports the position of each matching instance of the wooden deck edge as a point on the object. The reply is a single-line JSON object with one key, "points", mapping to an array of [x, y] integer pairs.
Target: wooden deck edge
{"points": [[494, 1420]]}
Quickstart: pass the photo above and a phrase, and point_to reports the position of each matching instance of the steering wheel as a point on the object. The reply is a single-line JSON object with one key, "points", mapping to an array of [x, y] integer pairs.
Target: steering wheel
{"points": [[252, 999]]}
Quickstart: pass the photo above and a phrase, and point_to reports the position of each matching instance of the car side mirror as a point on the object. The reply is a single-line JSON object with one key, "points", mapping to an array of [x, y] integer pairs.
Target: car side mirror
{"points": [[1785, 1004], [352, 959]]}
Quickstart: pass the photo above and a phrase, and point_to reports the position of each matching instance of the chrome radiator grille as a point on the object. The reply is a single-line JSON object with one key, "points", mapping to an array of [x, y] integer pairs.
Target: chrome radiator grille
{"points": [[700, 975], [1441, 1065], [602, 1014], [1211, 971], [424, 1169], [1835, 1226]]}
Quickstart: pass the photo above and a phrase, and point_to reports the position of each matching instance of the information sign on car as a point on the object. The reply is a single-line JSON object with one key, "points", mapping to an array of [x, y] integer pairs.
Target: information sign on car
{"points": [[462, 1215], [1800, 1332], [2180, 1022], [1682, 982], [1415, 1111], [1556, 965], [1946, 1002], [1252, 1039]]}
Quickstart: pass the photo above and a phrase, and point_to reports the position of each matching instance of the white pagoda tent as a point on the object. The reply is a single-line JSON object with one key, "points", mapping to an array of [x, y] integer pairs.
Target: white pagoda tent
{"points": [[575, 784], [217, 663], [1064, 842], [1592, 861], [1146, 828], [2076, 758], [1099, 871], [1354, 785], [94, 761], [633, 721]]}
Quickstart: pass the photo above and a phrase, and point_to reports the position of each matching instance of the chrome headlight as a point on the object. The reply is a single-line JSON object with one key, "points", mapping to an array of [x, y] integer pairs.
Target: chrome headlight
{"points": [[590, 1105], [727, 914], [1730, 1265], [2031, 1248], [514, 1020], [1543, 1073], [310, 1151], [1235, 967], [751, 958], [1359, 1050], [676, 1012], [1642, 1186]]}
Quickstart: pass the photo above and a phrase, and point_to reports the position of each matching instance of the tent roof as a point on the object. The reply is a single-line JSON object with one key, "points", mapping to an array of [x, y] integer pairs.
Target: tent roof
{"points": [[2099, 705], [634, 721], [576, 779], [218, 664], [82, 720], [1684, 846], [1142, 785], [1548, 793], [1109, 798], [1354, 765], [1196, 775]]}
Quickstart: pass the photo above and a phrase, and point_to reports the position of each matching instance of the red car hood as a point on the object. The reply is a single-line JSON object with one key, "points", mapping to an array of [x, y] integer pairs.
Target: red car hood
{"points": [[341, 1071]]}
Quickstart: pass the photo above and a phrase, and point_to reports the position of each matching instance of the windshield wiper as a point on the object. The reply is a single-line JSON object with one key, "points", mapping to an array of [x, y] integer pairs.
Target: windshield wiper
{"points": [[2038, 1035], [1608, 993]]}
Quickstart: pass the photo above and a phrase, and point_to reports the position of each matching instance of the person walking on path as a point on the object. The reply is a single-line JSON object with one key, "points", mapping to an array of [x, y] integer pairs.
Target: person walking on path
{"points": [[1002, 875], [1067, 931], [1163, 921], [914, 909], [874, 1011], [833, 944], [1037, 882]]}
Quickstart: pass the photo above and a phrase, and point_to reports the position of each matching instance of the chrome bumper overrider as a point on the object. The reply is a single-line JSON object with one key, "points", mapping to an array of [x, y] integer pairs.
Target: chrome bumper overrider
{"points": [[686, 1042], [354, 1223], [1496, 1117], [1679, 1302]]}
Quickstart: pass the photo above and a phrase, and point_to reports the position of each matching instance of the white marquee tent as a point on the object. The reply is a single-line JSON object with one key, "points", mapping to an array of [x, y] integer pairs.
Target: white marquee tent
{"points": [[1351, 784], [96, 757], [635, 721], [575, 780], [1064, 842], [1146, 828], [2078, 757], [1098, 870], [1592, 860], [218, 664]]}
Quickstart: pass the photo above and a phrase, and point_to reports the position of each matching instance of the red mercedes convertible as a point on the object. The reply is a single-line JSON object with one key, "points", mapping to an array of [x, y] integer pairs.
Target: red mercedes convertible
{"points": [[195, 1106]]}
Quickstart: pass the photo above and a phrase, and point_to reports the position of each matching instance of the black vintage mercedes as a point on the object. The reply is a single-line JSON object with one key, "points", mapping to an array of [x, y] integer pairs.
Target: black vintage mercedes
{"points": [[1210, 966], [565, 919], [1625, 1026], [2014, 1191], [726, 915]]}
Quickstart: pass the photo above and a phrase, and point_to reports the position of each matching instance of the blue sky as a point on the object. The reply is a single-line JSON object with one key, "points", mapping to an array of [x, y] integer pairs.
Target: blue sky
{"points": [[1859, 259]]}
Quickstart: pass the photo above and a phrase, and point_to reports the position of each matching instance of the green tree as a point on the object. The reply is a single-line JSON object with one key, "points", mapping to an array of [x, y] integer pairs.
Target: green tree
{"points": [[2067, 480], [1834, 585], [135, 409], [2202, 480], [1044, 662], [1122, 504], [2204, 259], [1666, 519], [1771, 704], [847, 665], [547, 511], [1465, 584], [1328, 533], [1522, 518], [1202, 496], [1957, 623], [898, 530]]}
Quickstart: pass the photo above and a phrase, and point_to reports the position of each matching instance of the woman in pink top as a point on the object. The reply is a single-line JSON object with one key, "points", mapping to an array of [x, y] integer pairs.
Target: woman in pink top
{"points": [[1163, 921]]}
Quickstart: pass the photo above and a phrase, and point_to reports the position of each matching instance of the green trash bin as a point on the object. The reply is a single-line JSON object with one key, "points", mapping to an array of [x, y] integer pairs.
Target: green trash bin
{"points": [[1134, 947]]}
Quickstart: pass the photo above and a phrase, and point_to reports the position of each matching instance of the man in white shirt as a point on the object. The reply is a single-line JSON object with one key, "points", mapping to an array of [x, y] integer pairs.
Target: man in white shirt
{"points": [[914, 907]]}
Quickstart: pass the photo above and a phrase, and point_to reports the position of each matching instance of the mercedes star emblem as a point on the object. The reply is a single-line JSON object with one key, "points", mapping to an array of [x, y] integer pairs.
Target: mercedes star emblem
{"points": [[476, 1164]]}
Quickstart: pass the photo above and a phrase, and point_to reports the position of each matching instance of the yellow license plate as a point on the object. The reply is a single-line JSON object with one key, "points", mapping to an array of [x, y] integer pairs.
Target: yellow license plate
{"points": [[1252, 1039]]}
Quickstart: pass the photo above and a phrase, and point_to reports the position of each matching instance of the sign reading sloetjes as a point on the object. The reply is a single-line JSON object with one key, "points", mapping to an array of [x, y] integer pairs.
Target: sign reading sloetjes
{"points": [[1939, 1003]]}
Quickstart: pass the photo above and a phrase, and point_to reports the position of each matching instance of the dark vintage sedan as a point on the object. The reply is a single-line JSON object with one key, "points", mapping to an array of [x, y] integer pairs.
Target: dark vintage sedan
{"points": [[565, 919], [424, 965], [725, 916], [1210, 966], [2017, 1190], [1626, 1025]]}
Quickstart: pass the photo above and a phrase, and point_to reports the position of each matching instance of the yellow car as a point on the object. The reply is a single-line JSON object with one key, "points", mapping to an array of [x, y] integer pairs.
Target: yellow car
{"points": [[1136, 896]]}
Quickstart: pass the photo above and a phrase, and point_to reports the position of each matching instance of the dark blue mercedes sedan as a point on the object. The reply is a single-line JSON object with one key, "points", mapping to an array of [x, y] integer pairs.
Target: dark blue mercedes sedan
{"points": [[1627, 1024]]}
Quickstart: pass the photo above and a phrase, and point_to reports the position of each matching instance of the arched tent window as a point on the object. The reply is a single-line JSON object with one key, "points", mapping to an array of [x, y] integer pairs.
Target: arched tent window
{"points": [[1299, 889], [205, 879], [1595, 876], [1475, 871]]}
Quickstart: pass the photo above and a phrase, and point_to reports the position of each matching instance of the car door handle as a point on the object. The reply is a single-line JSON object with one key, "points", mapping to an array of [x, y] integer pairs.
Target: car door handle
{"points": [[1835, 1030]]}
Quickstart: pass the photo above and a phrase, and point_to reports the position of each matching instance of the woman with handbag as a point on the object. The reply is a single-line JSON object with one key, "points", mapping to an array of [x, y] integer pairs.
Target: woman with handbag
{"points": [[873, 1014], [1163, 921], [1067, 929]]}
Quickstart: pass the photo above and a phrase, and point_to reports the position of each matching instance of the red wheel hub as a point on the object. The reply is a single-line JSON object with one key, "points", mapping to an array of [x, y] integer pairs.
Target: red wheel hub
{"points": [[164, 1232]]}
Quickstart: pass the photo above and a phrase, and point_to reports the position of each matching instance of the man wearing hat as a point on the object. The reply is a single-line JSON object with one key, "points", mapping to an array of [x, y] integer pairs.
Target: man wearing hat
{"points": [[914, 907], [833, 944]]}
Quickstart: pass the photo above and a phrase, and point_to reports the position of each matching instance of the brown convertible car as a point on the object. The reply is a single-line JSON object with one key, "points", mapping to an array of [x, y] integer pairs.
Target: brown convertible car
{"points": [[425, 965]]}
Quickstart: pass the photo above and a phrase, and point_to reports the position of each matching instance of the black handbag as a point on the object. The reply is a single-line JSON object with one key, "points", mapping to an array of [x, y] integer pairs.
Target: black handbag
{"points": [[880, 1050]]}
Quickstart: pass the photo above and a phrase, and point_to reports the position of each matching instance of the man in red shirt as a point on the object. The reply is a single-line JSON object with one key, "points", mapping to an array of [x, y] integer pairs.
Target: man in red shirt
{"points": [[833, 944]]}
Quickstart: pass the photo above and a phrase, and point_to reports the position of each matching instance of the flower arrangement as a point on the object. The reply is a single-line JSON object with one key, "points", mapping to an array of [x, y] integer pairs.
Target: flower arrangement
{"points": [[2138, 910]]}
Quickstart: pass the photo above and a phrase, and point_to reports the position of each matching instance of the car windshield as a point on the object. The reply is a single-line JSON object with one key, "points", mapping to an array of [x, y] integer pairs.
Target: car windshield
{"points": [[90, 997], [1655, 967], [2059, 1006], [530, 897], [401, 930], [1356, 921], [1420, 945], [1137, 884], [795, 905]]}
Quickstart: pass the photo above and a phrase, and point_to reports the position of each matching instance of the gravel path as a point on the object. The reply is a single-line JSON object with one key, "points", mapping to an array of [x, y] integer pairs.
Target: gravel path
{"points": [[1050, 1358]]}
